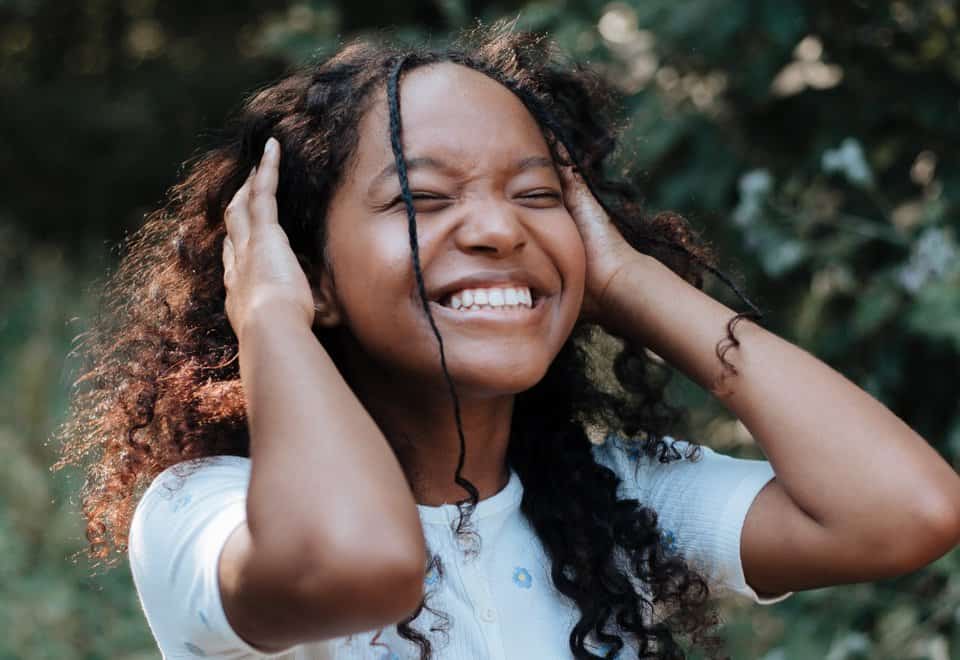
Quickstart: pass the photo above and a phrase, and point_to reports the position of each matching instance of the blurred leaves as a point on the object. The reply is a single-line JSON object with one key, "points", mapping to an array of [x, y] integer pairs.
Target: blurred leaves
{"points": [[814, 143]]}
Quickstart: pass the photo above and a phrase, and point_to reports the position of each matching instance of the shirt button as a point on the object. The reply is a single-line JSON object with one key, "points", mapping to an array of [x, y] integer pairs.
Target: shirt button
{"points": [[488, 614]]}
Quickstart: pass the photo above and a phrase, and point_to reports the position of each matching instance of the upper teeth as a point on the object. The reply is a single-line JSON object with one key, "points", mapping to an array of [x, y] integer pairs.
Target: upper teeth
{"points": [[494, 297]]}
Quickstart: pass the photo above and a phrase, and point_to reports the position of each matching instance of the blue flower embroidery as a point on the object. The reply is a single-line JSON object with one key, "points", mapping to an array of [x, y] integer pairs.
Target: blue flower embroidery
{"points": [[389, 655], [669, 541], [522, 578], [633, 452], [195, 650], [431, 577], [180, 503]]}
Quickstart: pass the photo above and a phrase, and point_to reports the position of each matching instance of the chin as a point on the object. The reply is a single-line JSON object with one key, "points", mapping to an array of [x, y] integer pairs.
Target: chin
{"points": [[493, 378]]}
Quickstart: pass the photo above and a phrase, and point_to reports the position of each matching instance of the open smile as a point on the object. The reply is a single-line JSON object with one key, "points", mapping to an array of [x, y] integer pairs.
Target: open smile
{"points": [[506, 315]]}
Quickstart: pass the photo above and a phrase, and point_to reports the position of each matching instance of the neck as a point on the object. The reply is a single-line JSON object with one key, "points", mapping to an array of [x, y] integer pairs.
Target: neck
{"points": [[425, 439], [418, 420]]}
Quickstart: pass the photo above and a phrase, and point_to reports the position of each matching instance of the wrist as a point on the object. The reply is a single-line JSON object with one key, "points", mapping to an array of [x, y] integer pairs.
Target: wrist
{"points": [[272, 319], [625, 287]]}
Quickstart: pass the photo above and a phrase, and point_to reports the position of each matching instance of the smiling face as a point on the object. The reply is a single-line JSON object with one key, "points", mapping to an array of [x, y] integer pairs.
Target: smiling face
{"points": [[489, 216]]}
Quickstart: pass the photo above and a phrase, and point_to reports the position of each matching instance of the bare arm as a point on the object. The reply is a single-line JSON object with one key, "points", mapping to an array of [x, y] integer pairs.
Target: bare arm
{"points": [[858, 495], [333, 542]]}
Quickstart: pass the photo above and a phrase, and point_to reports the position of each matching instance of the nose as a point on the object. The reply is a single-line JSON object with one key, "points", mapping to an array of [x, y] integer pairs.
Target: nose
{"points": [[493, 228]]}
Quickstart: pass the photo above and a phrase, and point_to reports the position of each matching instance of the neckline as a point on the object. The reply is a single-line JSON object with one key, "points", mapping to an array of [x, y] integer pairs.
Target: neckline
{"points": [[507, 497]]}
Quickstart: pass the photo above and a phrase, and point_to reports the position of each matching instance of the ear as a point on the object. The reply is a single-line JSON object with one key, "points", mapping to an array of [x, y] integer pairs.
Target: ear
{"points": [[327, 309]]}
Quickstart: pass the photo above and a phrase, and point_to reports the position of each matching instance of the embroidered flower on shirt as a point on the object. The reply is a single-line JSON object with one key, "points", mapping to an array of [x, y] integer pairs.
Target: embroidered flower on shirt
{"points": [[181, 502], [432, 576], [195, 650], [389, 655], [522, 577], [669, 541]]}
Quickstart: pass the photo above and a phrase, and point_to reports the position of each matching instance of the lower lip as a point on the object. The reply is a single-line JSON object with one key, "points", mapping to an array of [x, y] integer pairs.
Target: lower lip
{"points": [[513, 316]]}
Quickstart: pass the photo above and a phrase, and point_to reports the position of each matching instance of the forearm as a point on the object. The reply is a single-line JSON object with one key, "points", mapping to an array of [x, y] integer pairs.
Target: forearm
{"points": [[323, 474], [844, 458]]}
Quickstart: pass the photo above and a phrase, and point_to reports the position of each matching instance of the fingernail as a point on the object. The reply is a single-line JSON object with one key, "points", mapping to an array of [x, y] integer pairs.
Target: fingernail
{"points": [[271, 145]]}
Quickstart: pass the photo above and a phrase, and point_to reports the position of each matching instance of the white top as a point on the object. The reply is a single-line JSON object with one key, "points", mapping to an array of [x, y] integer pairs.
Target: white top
{"points": [[501, 603]]}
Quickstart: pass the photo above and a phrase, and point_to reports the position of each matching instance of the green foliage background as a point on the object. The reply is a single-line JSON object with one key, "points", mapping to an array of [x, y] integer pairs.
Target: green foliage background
{"points": [[814, 143]]}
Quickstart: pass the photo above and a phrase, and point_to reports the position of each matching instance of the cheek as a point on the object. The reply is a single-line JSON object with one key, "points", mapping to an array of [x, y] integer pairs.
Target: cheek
{"points": [[565, 246], [373, 271], [374, 281]]}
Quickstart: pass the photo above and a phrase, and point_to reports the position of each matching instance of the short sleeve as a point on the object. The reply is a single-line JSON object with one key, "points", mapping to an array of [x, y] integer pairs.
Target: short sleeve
{"points": [[701, 504], [178, 530]]}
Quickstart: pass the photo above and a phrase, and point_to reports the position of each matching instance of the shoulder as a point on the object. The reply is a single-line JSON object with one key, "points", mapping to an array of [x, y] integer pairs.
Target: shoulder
{"points": [[682, 479], [638, 462], [185, 494], [701, 498], [618, 447], [205, 473], [180, 527]]}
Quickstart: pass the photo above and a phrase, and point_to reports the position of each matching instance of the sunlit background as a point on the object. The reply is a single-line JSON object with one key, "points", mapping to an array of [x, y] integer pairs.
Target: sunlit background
{"points": [[814, 143]]}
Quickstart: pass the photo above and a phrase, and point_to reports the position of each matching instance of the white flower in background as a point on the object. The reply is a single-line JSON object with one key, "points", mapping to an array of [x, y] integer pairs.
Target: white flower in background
{"points": [[806, 70], [933, 255], [618, 24], [848, 160], [756, 182], [755, 187]]}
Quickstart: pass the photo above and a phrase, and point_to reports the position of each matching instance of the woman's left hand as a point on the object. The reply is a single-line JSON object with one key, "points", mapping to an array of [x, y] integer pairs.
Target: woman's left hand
{"points": [[606, 249]]}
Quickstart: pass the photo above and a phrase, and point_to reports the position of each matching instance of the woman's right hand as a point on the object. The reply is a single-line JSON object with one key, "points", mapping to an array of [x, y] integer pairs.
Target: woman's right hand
{"points": [[261, 273]]}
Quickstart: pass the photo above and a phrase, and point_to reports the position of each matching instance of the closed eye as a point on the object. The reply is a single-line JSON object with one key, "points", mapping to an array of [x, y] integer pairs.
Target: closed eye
{"points": [[548, 195], [415, 196]]}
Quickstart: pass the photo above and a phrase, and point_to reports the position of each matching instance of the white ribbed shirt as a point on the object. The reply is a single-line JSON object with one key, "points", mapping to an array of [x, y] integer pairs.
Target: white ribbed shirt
{"points": [[500, 602]]}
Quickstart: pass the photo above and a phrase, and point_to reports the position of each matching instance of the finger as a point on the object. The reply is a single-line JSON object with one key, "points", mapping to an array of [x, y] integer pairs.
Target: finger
{"points": [[569, 176], [573, 187], [562, 151], [263, 188], [236, 215], [228, 257]]}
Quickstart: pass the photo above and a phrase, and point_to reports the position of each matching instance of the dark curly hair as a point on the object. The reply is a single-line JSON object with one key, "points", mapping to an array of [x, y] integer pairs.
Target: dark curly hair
{"points": [[161, 385]]}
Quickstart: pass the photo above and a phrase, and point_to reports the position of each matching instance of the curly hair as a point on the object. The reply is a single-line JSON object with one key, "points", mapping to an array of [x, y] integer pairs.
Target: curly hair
{"points": [[160, 382]]}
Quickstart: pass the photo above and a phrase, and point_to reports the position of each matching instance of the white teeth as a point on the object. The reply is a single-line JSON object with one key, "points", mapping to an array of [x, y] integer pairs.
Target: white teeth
{"points": [[493, 297]]}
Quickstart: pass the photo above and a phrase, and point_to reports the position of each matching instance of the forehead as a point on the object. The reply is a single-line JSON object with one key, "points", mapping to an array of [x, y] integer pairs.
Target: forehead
{"points": [[453, 112]]}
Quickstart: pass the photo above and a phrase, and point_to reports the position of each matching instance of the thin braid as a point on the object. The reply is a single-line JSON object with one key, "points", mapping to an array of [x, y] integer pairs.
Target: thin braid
{"points": [[465, 507], [404, 627]]}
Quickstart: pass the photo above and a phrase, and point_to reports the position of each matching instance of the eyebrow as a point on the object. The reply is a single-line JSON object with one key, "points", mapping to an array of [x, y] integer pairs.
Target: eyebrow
{"points": [[426, 162]]}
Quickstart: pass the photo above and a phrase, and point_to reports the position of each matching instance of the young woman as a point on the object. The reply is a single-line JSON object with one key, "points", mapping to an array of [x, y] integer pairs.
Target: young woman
{"points": [[349, 363]]}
